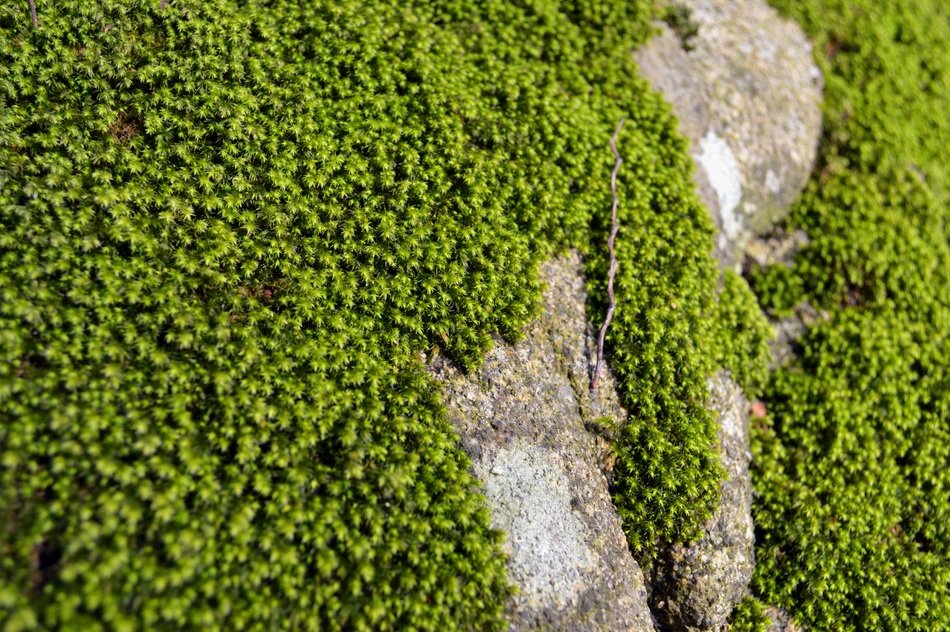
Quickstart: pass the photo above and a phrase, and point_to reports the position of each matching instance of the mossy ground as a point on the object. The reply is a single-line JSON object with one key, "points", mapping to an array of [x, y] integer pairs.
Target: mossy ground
{"points": [[852, 467], [229, 228]]}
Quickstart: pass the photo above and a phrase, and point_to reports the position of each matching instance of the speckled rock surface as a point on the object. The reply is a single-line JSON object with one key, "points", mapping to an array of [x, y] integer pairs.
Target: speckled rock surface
{"points": [[748, 96], [696, 586], [529, 422]]}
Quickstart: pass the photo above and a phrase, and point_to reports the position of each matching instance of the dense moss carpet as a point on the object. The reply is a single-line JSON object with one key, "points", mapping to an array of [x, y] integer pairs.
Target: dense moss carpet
{"points": [[852, 466], [228, 231]]}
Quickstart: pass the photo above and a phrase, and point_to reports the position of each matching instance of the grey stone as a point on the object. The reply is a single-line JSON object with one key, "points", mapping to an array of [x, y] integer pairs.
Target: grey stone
{"points": [[696, 586], [748, 96], [536, 437], [781, 621]]}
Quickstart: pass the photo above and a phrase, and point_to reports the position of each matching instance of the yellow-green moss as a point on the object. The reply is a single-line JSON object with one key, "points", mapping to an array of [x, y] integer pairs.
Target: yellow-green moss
{"points": [[228, 229], [851, 466], [749, 616]]}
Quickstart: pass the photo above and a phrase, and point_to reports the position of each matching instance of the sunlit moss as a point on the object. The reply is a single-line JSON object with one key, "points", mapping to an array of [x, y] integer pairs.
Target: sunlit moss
{"points": [[851, 467], [228, 230]]}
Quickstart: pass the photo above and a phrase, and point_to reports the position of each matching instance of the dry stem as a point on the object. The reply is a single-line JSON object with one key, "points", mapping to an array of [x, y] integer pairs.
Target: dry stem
{"points": [[36, 21], [615, 226]]}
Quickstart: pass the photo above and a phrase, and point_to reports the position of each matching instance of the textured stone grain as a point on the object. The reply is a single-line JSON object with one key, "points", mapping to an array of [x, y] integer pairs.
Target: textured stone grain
{"points": [[748, 93]]}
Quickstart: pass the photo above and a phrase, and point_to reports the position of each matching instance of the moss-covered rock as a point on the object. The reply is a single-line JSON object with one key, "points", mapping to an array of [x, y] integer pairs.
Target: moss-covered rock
{"points": [[695, 586], [229, 229]]}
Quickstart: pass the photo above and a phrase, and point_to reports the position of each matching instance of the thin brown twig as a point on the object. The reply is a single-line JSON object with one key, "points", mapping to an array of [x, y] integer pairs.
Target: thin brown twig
{"points": [[36, 21], [615, 226]]}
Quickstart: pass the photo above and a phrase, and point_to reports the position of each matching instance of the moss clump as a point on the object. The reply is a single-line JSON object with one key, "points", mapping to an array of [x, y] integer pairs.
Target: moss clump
{"points": [[228, 230], [679, 17], [742, 334], [749, 616], [851, 468]]}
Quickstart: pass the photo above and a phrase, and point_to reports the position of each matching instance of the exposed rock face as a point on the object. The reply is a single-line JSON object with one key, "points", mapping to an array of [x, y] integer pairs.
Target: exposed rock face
{"points": [[696, 586], [748, 96], [527, 419]]}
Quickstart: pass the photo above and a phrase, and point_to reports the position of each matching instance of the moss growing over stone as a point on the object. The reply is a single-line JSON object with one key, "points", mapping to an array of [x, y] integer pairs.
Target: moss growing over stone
{"points": [[852, 465], [679, 17], [228, 230]]}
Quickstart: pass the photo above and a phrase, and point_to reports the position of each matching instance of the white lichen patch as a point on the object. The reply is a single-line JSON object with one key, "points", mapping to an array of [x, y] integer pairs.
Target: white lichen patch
{"points": [[722, 169], [529, 493]]}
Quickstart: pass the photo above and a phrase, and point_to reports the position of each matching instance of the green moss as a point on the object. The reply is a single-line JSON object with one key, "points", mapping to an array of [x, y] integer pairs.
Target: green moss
{"points": [[749, 616], [667, 474], [777, 287], [742, 334], [851, 467], [228, 231], [679, 17]]}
